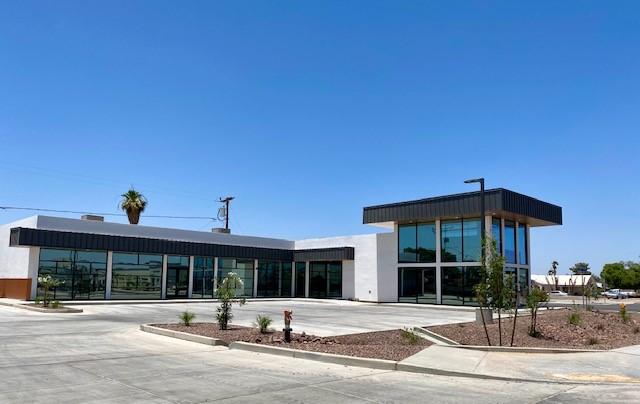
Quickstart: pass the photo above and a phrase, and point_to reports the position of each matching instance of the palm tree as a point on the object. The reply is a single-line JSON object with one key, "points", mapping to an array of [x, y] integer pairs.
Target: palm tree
{"points": [[134, 203]]}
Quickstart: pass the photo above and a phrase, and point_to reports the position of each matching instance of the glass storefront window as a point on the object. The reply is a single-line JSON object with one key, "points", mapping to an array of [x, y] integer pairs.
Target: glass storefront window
{"points": [[458, 285], [325, 279], [136, 276], [83, 273], [274, 278], [509, 242], [522, 244], [451, 240], [301, 268], [471, 240], [426, 242], [203, 269], [496, 234], [177, 277], [407, 249], [242, 267]]}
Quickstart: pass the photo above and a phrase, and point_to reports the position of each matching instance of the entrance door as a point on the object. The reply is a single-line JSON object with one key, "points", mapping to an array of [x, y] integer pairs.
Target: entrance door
{"points": [[177, 277], [177, 283]]}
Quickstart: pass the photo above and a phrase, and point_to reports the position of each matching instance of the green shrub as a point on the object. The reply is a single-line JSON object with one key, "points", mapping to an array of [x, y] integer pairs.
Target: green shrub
{"points": [[186, 318], [409, 336], [56, 304], [600, 327], [263, 323], [38, 300], [574, 317], [593, 341]]}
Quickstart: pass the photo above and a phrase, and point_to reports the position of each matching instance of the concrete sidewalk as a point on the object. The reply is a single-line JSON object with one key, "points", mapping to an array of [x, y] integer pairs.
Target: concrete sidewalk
{"points": [[616, 366]]}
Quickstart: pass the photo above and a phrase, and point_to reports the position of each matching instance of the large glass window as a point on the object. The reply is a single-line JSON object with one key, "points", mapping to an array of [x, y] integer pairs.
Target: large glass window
{"points": [[407, 249], [203, 268], [417, 285], [325, 279], [242, 267], [509, 242], [426, 242], [522, 244], [83, 273], [451, 239], [301, 268], [136, 276], [274, 278], [496, 234], [417, 243], [471, 240], [458, 285]]}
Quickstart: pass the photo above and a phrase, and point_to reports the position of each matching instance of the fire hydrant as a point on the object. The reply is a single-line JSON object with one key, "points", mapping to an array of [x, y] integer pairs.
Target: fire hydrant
{"points": [[288, 315]]}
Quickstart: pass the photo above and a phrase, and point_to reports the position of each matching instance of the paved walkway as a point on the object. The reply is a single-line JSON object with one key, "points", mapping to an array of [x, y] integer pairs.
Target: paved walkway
{"points": [[617, 366], [103, 357]]}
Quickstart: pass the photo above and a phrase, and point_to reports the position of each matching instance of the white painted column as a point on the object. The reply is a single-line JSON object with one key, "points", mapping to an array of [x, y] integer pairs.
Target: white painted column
{"points": [[215, 276], [163, 287], [438, 262], [190, 289], [255, 278], [107, 294], [306, 279], [34, 267]]}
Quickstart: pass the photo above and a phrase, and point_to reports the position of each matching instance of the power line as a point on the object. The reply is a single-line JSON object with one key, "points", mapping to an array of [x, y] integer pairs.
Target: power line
{"points": [[102, 214]]}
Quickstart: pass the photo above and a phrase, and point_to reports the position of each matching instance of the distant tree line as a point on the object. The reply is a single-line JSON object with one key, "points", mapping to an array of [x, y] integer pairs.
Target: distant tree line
{"points": [[622, 275]]}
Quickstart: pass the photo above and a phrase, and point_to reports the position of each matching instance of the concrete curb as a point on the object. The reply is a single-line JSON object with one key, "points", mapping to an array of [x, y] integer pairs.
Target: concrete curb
{"points": [[444, 341], [182, 335], [434, 337], [41, 309], [371, 363]]}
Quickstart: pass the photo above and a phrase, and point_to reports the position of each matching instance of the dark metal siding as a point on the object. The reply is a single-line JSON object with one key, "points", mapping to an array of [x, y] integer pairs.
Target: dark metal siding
{"points": [[531, 207], [467, 204], [324, 254], [21, 236]]}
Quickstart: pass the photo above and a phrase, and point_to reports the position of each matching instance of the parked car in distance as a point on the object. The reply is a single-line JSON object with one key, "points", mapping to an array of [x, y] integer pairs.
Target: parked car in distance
{"points": [[558, 293], [615, 294]]}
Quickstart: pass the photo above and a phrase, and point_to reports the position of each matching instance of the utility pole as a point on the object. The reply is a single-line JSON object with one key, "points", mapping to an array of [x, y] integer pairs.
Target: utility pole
{"points": [[226, 201]]}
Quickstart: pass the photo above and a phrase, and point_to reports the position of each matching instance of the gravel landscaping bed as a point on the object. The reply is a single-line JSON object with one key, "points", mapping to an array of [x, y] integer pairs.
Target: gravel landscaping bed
{"points": [[379, 345], [597, 330]]}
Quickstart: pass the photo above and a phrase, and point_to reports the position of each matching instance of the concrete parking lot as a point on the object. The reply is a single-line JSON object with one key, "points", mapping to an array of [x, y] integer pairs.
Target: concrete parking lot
{"points": [[101, 356]]}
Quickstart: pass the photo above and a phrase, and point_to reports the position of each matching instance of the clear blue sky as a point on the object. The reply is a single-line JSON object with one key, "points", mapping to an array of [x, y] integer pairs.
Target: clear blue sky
{"points": [[308, 111]]}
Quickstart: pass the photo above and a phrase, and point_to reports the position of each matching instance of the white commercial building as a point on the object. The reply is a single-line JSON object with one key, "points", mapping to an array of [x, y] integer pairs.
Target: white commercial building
{"points": [[429, 253]]}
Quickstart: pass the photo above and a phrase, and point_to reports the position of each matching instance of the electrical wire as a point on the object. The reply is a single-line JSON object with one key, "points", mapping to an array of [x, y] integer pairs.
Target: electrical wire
{"points": [[102, 214]]}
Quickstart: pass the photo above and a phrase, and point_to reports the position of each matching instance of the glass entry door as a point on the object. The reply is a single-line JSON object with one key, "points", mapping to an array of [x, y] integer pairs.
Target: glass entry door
{"points": [[417, 285], [177, 277]]}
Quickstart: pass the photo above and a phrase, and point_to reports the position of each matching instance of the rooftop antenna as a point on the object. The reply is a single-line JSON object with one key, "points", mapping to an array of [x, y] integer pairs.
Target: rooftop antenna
{"points": [[223, 211]]}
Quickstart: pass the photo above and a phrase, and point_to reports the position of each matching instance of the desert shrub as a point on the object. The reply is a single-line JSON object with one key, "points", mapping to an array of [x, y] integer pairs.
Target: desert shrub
{"points": [[636, 329], [600, 327], [593, 340], [535, 298], [409, 336], [55, 304], [263, 322], [48, 283], [624, 315], [574, 317], [186, 317], [226, 293], [38, 300]]}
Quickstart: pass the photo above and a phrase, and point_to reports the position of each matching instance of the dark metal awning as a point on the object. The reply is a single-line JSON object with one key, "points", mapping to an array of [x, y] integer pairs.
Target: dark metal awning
{"points": [[500, 202]]}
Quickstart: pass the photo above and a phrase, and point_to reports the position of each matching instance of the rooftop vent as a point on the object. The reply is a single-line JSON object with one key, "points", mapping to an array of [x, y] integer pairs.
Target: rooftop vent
{"points": [[93, 218], [221, 230]]}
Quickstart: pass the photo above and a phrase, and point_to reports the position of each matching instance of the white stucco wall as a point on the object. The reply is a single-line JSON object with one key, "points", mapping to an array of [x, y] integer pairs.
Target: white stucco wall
{"points": [[387, 272], [16, 262], [359, 278]]}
